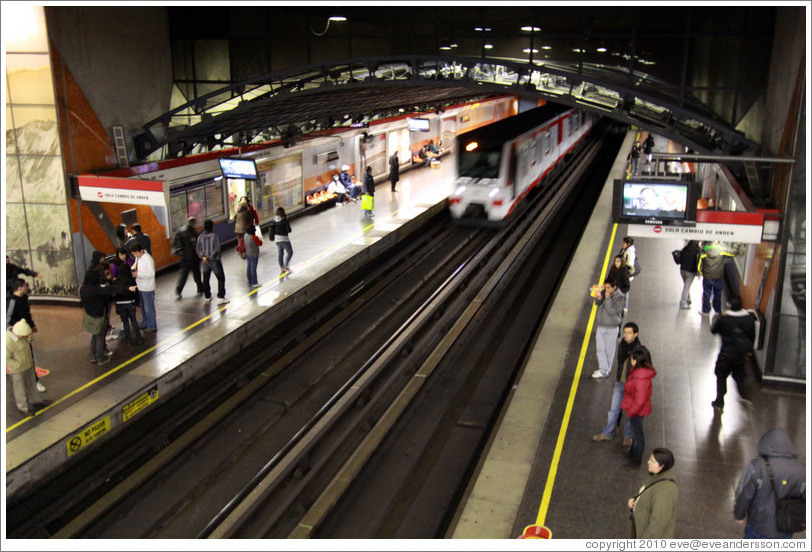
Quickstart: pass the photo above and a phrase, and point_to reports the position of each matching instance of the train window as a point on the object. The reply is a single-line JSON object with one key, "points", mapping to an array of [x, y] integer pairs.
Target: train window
{"points": [[576, 120], [201, 201], [480, 164], [548, 142], [533, 152]]}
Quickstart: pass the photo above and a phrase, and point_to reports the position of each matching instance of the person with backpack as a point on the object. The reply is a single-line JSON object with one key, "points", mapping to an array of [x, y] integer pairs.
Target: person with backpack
{"points": [[774, 475], [629, 254], [737, 328], [712, 269]]}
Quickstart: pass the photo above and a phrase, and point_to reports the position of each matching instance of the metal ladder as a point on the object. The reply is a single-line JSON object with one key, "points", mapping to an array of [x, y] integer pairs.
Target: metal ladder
{"points": [[121, 146]]}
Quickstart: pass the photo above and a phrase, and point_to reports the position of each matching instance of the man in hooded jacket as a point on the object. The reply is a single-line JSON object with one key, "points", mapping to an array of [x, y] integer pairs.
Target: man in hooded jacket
{"points": [[755, 495]]}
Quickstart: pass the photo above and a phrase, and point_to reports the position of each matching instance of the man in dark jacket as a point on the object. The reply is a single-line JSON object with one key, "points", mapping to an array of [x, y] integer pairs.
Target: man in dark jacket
{"points": [[629, 344], [688, 267], [737, 328], [94, 294], [184, 244], [712, 269], [139, 237], [394, 168], [755, 494]]}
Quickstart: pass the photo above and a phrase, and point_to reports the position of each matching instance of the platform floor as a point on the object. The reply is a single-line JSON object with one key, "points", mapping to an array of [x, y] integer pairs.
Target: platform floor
{"points": [[542, 466]]}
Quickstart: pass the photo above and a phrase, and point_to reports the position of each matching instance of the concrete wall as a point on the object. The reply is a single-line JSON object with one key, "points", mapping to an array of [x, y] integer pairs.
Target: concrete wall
{"points": [[788, 51], [120, 58]]}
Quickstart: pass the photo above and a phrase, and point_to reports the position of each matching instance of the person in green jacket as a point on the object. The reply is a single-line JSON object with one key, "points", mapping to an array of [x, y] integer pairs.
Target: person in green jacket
{"points": [[654, 509], [20, 363]]}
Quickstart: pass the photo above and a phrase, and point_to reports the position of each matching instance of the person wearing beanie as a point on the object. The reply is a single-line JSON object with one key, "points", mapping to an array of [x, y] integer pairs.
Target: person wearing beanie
{"points": [[20, 363]]}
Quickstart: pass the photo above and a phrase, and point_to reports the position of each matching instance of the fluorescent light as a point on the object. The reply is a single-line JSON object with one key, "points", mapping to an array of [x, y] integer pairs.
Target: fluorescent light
{"points": [[488, 46], [528, 28], [471, 146], [338, 18], [528, 50], [445, 47], [601, 49], [546, 47]]}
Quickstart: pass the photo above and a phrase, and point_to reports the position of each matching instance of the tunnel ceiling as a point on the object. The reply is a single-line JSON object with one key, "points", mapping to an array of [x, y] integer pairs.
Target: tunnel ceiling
{"points": [[637, 65]]}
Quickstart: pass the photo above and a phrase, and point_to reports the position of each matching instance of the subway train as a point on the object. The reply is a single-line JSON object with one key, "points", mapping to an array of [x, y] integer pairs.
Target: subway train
{"points": [[498, 164]]}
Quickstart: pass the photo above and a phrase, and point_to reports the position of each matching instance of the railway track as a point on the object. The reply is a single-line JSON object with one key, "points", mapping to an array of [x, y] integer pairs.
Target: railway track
{"points": [[364, 417]]}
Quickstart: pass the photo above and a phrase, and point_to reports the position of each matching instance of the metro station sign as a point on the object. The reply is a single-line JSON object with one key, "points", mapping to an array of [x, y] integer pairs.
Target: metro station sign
{"points": [[105, 189], [730, 226]]}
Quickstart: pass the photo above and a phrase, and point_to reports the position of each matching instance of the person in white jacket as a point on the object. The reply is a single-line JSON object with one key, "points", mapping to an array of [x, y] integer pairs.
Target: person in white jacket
{"points": [[144, 270]]}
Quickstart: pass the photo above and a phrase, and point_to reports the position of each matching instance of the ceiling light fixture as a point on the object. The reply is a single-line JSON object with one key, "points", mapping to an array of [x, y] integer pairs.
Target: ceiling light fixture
{"points": [[336, 18], [528, 29]]}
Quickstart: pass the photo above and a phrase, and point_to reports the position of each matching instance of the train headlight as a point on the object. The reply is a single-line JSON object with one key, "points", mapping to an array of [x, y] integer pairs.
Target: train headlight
{"points": [[494, 192], [471, 146]]}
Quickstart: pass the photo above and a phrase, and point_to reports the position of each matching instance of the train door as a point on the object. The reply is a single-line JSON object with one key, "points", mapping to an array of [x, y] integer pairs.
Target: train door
{"points": [[448, 133], [512, 169], [400, 141]]}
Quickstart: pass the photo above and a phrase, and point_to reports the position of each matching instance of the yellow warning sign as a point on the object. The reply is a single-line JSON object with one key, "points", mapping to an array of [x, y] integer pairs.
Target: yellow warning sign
{"points": [[88, 435], [139, 403]]}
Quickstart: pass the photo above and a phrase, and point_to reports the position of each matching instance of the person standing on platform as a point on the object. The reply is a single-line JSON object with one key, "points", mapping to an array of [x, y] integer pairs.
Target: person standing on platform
{"points": [[610, 312], [368, 190], [252, 245], [619, 272], [139, 237], [183, 245], [126, 297], [13, 271], [637, 400], [629, 344], [18, 308], [145, 280], [94, 293], [756, 493], [688, 267], [654, 509], [241, 221], [712, 269], [394, 170], [635, 158], [20, 364], [208, 249], [280, 233], [737, 328], [629, 254]]}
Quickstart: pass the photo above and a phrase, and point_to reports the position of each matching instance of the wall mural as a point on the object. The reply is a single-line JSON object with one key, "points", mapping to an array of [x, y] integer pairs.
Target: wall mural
{"points": [[38, 234]]}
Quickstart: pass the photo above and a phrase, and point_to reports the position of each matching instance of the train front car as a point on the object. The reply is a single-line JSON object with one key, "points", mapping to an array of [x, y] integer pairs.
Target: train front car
{"points": [[481, 194]]}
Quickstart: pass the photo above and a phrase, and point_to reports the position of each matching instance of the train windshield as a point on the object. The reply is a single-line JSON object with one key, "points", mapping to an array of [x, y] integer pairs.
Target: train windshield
{"points": [[480, 164]]}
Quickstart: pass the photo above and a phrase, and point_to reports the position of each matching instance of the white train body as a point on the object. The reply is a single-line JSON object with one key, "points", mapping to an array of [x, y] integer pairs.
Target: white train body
{"points": [[497, 165]]}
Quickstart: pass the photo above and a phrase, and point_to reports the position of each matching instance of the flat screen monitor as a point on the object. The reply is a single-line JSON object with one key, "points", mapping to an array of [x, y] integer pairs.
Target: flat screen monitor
{"points": [[238, 168], [418, 125], [655, 201]]}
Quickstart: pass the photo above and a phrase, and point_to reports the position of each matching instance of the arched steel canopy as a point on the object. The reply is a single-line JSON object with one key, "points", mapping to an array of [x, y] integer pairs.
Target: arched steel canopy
{"points": [[345, 92]]}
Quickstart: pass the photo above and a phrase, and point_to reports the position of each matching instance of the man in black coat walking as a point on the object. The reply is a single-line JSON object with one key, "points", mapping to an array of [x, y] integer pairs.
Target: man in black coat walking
{"points": [[184, 244], [737, 328]]}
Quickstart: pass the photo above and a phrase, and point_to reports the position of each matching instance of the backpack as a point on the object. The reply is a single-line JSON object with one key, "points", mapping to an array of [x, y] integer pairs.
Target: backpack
{"points": [[790, 511], [636, 263]]}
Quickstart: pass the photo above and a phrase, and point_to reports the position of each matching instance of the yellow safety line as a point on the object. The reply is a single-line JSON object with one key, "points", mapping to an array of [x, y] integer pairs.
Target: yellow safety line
{"points": [[562, 433], [165, 341]]}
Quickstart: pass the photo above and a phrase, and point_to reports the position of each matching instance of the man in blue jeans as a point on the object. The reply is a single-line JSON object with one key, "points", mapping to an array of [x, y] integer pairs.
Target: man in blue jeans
{"points": [[208, 249], [629, 344], [144, 270], [609, 301], [712, 269]]}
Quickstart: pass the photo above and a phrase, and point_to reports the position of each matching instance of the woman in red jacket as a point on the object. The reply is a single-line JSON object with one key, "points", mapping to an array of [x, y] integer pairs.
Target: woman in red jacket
{"points": [[637, 400]]}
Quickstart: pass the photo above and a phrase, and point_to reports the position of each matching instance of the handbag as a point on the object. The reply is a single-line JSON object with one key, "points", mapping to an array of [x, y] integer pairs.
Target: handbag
{"points": [[367, 202], [677, 256], [631, 513], [790, 511]]}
